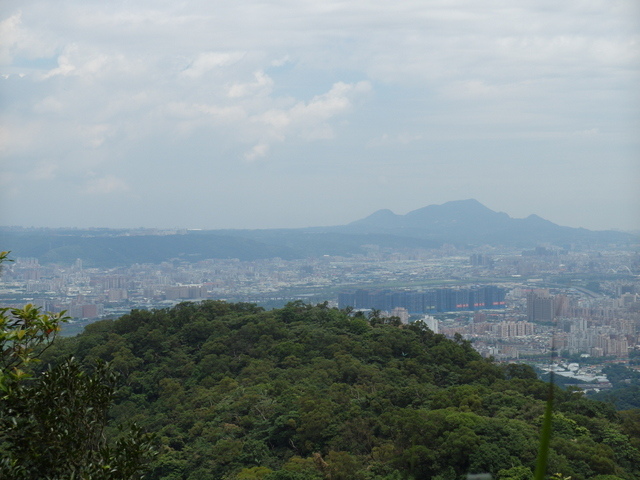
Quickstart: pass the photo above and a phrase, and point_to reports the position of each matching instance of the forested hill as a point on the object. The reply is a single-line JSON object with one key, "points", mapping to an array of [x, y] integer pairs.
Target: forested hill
{"points": [[309, 392]]}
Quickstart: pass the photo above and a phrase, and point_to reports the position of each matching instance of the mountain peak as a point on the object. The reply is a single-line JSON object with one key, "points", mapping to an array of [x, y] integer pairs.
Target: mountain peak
{"points": [[454, 210], [383, 217], [471, 202], [383, 213], [469, 222]]}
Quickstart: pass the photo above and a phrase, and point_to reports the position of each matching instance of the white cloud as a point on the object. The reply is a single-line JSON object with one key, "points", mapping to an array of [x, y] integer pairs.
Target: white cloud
{"points": [[10, 33], [208, 61], [257, 151], [262, 85], [65, 65], [49, 104], [93, 65], [310, 120], [279, 62], [18, 40], [93, 85]]}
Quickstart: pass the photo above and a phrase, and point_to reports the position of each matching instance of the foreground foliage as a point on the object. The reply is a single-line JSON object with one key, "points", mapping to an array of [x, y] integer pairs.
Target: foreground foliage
{"points": [[310, 392], [52, 424]]}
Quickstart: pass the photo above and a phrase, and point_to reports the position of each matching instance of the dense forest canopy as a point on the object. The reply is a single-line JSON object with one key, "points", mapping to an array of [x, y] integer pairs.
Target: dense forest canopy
{"points": [[625, 394], [311, 392]]}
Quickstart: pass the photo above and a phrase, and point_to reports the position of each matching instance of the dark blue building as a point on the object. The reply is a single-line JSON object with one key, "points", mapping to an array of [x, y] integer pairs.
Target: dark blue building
{"points": [[428, 301]]}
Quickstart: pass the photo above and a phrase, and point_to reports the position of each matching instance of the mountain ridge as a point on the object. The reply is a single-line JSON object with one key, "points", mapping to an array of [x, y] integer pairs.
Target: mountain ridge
{"points": [[454, 208], [470, 222], [464, 223]]}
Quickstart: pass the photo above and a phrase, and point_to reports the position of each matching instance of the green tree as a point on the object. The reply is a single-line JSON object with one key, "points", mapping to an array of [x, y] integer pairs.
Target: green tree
{"points": [[52, 425], [233, 390], [515, 473], [24, 333]]}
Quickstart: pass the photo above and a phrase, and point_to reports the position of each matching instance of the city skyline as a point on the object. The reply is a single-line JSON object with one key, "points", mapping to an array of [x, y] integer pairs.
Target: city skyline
{"points": [[510, 303], [221, 115]]}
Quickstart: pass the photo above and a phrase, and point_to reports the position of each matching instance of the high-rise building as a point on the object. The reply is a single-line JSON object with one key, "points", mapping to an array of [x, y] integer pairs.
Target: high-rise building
{"points": [[481, 260], [431, 322], [185, 292], [401, 313], [540, 306]]}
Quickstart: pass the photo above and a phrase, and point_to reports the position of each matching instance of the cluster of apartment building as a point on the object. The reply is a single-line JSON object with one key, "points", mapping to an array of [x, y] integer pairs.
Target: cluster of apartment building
{"points": [[579, 335], [503, 329]]}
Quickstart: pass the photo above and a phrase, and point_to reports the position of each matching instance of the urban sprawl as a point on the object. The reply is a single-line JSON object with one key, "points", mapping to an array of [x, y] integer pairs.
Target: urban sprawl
{"points": [[510, 304]]}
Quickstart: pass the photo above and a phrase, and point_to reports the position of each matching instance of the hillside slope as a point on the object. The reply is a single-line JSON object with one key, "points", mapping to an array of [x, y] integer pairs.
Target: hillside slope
{"points": [[234, 392]]}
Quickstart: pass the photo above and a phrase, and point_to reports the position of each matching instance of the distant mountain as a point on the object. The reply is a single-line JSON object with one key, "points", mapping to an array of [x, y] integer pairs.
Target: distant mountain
{"points": [[468, 222], [462, 213], [101, 250], [463, 223]]}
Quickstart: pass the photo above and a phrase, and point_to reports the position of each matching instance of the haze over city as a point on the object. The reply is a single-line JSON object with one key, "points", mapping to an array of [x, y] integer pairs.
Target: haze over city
{"points": [[278, 114]]}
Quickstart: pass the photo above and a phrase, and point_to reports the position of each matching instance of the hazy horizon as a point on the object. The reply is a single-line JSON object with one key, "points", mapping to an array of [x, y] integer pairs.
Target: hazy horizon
{"points": [[220, 115], [196, 228]]}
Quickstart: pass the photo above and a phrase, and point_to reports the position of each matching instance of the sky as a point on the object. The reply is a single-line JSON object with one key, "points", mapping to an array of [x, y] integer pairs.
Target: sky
{"points": [[252, 114]]}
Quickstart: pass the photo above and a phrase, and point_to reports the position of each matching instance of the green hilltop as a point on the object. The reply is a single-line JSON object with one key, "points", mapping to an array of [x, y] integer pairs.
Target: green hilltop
{"points": [[310, 392]]}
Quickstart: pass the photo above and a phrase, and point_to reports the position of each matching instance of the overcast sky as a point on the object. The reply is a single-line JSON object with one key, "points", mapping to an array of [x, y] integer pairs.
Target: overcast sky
{"points": [[293, 113]]}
